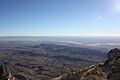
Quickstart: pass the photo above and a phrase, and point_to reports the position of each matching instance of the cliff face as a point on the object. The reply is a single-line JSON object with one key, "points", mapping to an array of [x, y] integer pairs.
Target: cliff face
{"points": [[106, 70]]}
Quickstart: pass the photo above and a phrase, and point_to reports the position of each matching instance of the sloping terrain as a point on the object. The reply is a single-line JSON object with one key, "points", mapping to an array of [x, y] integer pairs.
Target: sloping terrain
{"points": [[106, 70]]}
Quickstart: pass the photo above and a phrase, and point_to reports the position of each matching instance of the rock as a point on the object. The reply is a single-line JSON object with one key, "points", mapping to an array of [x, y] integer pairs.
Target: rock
{"points": [[113, 65], [5, 73], [113, 54]]}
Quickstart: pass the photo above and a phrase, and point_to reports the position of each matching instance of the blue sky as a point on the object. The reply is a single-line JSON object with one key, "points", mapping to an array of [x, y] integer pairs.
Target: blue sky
{"points": [[59, 17]]}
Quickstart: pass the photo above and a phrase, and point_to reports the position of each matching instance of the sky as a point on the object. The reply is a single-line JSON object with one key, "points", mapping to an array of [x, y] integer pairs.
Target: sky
{"points": [[59, 17]]}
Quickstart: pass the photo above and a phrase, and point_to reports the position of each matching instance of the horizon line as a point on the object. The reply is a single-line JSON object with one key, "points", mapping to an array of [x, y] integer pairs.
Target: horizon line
{"points": [[93, 35]]}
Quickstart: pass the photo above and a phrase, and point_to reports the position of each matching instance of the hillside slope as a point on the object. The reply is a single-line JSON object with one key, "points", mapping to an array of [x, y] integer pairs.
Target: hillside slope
{"points": [[106, 70]]}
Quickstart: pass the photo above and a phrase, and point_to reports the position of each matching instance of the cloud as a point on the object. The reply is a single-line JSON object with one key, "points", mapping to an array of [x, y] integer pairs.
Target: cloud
{"points": [[116, 6], [97, 18]]}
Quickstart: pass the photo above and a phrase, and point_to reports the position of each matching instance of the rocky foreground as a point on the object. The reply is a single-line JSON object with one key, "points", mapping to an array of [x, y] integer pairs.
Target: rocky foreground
{"points": [[106, 70]]}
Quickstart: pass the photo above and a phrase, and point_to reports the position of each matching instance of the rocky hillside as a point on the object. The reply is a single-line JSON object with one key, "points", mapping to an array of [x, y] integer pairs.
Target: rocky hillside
{"points": [[106, 70]]}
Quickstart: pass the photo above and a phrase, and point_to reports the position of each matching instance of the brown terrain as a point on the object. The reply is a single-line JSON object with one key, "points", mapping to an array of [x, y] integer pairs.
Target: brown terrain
{"points": [[28, 61]]}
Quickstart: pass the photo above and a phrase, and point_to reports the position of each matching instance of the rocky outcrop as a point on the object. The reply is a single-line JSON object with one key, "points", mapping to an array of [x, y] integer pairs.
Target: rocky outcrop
{"points": [[106, 70], [5, 73], [113, 65]]}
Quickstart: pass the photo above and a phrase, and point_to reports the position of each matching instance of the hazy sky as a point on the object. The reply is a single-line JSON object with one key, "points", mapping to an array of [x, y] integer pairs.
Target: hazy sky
{"points": [[59, 17]]}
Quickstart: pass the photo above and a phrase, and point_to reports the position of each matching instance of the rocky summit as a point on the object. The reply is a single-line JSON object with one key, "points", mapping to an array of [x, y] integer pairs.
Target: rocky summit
{"points": [[113, 65]]}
